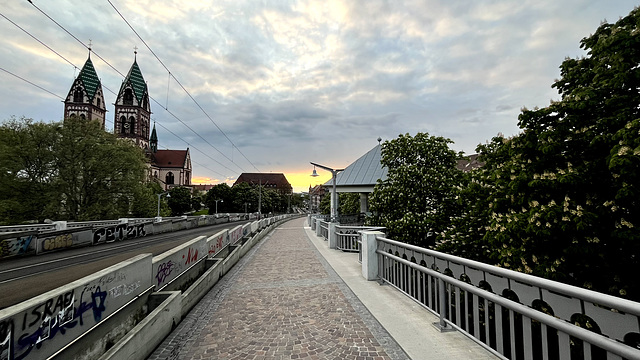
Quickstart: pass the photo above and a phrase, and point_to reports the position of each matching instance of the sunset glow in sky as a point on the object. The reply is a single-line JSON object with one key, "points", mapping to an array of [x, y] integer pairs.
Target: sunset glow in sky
{"points": [[278, 84]]}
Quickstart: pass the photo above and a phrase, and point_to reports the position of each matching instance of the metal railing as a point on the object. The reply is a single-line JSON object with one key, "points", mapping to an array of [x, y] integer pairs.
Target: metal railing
{"points": [[348, 237], [324, 229], [516, 315]]}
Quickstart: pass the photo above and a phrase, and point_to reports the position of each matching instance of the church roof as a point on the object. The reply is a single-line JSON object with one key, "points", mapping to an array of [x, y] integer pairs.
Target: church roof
{"points": [[170, 158], [363, 172], [154, 135], [89, 78], [137, 81]]}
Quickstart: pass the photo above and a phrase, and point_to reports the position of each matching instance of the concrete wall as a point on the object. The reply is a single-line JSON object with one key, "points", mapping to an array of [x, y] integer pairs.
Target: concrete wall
{"points": [[217, 242], [170, 264], [41, 326], [235, 234], [140, 342]]}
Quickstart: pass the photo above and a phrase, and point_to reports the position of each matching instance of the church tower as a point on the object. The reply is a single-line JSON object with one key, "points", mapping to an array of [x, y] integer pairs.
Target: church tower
{"points": [[85, 98], [132, 110]]}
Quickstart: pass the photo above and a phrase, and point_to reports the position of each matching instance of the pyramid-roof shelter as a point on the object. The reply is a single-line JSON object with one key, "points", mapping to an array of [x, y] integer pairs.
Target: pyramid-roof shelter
{"points": [[362, 175]]}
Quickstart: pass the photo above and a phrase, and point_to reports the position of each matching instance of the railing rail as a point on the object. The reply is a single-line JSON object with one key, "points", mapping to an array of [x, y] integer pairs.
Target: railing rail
{"points": [[324, 229], [516, 315], [348, 237]]}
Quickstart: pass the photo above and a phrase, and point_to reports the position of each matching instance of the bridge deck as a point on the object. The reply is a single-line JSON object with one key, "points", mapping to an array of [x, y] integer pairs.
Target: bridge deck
{"points": [[290, 297]]}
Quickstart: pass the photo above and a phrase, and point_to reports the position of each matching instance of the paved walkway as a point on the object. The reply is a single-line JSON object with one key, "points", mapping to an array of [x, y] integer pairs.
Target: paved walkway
{"points": [[284, 300]]}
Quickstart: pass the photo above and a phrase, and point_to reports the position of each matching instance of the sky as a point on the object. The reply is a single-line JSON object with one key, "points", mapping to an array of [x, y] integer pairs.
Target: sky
{"points": [[269, 86]]}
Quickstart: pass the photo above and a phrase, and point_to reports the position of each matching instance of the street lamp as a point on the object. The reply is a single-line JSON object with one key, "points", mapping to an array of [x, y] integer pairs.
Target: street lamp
{"points": [[334, 195], [217, 205], [159, 196]]}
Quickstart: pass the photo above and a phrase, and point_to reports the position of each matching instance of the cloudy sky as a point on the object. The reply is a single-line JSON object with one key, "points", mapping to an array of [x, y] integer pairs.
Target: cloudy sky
{"points": [[273, 85]]}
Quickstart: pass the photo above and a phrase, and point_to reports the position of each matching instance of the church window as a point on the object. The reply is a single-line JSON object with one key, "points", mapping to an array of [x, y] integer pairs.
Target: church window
{"points": [[83, 117], [155, 174], [124, 125], [128, 97], [98, 102], [169, 178], [77, 96], [132, 125]]}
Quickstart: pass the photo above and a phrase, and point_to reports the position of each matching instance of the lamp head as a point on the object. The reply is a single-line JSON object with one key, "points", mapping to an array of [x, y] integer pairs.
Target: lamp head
{"points": [[315, 173]]}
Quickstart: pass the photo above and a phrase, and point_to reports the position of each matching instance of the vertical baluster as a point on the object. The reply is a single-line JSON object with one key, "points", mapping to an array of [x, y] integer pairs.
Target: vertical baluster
{"points": [[475, 305], [564, 345], [487, 322], [586, 347], [545, 341], [498, 326], [527, 338], [457, 293], [512, 332]]}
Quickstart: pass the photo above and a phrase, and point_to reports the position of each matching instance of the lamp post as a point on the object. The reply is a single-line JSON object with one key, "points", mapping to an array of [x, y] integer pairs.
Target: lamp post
{"points": [[334, 195], [217, 205], [159, 196]]}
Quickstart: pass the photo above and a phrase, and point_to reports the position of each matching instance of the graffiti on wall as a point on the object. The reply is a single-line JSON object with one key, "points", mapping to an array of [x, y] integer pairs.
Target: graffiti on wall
{"points": [[16, 246], [217, 243], [118, 233], [235, 235], [43, 329], [58, 242]]}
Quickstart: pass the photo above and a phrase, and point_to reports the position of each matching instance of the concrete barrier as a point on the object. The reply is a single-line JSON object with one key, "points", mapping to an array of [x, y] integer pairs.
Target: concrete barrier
{"points": [[18, 243], [217, 243], [139, 343], [170, 264], [235, 234], [64, 239], [41, 326]]}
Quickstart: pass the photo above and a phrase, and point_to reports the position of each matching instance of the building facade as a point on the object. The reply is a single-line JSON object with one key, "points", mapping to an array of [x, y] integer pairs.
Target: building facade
{"points": [[275, 181]]}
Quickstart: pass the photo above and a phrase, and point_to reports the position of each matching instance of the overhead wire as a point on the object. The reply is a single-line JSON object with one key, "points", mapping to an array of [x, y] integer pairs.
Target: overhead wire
{"points": [[157, 102], [180, 84], [110, 121]]}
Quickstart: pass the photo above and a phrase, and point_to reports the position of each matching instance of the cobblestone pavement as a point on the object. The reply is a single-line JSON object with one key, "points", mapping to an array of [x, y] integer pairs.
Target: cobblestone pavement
{"points": [[281, 301]]}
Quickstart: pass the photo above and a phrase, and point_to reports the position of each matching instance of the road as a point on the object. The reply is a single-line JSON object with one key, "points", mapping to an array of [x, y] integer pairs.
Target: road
{"points": [[26, 277]]}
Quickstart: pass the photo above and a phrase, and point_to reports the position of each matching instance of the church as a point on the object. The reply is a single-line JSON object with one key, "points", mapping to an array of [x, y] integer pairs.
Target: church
{"points": [[132, 117]]}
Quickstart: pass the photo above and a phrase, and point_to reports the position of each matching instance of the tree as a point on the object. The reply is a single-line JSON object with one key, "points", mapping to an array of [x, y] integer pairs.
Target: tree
{"points": [[349, 203], [27, 170], [564, 200], [66, 171], [417, 199], [244, 197], [179, 200], [145, 200], [98, 174], [219, 192]]}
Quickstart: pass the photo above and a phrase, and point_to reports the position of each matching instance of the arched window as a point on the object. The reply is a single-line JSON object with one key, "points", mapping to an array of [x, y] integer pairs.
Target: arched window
{"points": [[98, 102], [83, 117], [124, 125], [132, 125], [77, 96], [169, 178], [155, 174], [128, 97]]}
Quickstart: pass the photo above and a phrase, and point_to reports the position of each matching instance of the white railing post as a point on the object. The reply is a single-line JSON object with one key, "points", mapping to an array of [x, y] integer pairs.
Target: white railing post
{"points": [[332, 236], [442, 293], [318, 227], [369, 256]]}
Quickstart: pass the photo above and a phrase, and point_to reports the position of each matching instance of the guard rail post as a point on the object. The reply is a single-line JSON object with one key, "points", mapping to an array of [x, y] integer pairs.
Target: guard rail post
{"points": [[369, 255], [332, 236]]}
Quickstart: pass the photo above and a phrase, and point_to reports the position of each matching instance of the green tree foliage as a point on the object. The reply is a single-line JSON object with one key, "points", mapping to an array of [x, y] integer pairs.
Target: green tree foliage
{"points": [[563, 195], [349, 203], [98, 174], [220, 192], [243, 194], [179, 200], [417, 199], [66, 171], [145, 201], [27, 170]]}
